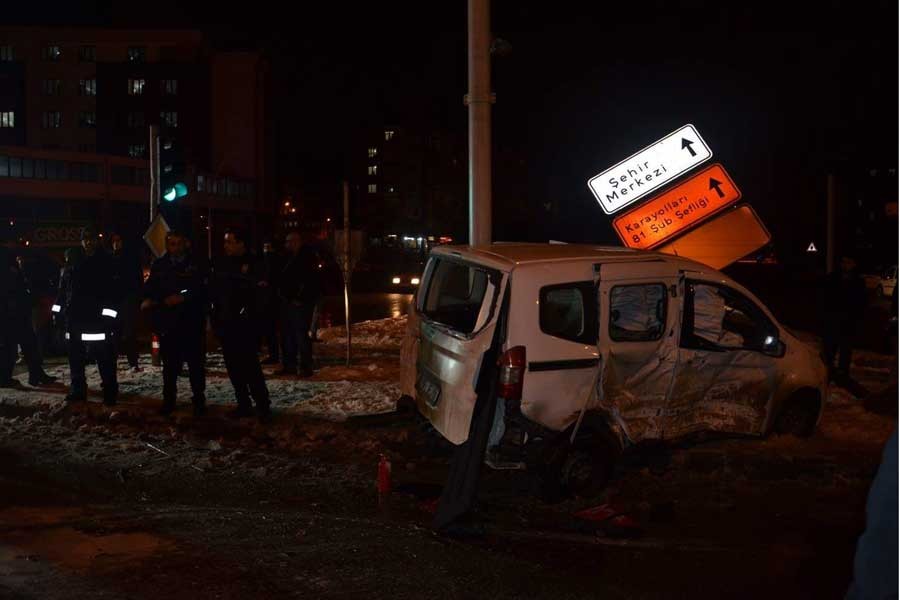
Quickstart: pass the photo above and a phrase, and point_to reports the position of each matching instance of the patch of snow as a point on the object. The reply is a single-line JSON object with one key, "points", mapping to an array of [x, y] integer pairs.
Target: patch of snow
{"points": [[334, 400]]}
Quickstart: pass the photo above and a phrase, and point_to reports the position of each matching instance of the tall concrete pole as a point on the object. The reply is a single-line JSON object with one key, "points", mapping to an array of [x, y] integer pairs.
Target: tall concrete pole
{"points": [[479, 100]]}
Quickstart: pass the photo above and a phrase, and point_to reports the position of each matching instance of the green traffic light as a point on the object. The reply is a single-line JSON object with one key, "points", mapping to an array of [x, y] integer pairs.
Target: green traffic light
{"points": [[179, 190]]}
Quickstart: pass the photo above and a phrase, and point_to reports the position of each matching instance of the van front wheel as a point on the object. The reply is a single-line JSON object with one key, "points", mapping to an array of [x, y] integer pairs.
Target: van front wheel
{"points": [[799, 415]]}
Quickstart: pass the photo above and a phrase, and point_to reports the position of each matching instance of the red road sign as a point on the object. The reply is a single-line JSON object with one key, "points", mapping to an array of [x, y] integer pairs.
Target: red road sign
{"points": [[678, 209]]}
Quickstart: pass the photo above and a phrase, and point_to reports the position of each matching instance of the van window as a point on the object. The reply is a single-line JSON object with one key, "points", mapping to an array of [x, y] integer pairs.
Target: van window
{"points": [[637, 313], [720, 318], [456, 295], [568, 311]]}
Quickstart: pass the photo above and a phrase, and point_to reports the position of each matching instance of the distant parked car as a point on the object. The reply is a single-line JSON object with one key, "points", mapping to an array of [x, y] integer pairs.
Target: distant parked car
{"points": [[888, 282]]}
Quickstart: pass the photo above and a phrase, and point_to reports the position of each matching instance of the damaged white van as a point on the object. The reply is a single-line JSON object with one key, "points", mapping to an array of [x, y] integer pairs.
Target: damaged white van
{"points": [[581, 351]]}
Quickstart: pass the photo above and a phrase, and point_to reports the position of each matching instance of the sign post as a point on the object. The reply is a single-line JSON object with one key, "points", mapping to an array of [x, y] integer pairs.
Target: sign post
{"points": [[155, 236], [678, 209], [648, 170]]}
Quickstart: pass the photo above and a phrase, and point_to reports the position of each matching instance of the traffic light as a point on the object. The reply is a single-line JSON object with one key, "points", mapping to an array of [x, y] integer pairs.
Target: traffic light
{"points": [[172, 173]]}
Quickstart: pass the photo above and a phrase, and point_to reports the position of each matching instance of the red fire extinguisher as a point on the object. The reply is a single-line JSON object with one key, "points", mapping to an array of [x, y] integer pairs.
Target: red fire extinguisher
{"points": [[383, 481], [154, 350]]}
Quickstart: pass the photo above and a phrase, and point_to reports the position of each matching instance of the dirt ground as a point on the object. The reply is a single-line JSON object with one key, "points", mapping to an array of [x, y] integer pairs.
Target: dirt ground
{"points": [[122, 503]]}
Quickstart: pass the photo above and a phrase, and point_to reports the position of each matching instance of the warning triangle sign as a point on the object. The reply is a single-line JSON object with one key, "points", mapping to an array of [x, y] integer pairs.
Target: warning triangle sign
{"points": [[812, 247]]}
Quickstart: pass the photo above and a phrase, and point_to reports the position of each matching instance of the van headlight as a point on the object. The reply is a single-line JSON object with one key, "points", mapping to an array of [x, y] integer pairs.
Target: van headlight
{"points": [[395, 281], [414, 281]]}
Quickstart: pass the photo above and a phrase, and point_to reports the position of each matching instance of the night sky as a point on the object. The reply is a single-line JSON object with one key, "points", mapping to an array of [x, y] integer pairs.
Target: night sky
{"points": [[781, 91]]}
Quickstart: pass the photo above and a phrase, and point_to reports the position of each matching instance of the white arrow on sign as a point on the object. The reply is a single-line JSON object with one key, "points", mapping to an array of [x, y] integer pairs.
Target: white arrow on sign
{"points": [[649, 169]]}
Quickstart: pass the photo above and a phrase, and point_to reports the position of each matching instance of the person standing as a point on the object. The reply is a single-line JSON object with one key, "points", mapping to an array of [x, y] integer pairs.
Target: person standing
{"points": [[91, 319], [845, 301], [22, 328], [299, 290], [272, 265], [235, 293], [176, 294], [130, 279], [15, 325]]}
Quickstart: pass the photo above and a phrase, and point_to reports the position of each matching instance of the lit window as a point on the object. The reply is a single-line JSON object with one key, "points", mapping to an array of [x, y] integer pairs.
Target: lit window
{"points": [[52, 87], [87, 54], [373, 188], [201, 180], [51, 53], [7, 119], [373, 169], [136, 87], [87, 87], [88, 119], [135, 119], [7, 54], [169, 87], [168, 119], [388, 135], [51, 120], [373, 152], [137, 54], [137, 150]]}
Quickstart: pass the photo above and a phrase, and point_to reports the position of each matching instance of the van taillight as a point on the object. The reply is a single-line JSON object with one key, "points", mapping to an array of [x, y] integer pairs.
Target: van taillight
{"points": [[512, 373]]}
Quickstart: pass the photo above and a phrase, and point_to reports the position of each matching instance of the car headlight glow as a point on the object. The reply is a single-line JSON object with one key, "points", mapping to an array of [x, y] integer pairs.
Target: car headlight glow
{"points": [[395, 280]]}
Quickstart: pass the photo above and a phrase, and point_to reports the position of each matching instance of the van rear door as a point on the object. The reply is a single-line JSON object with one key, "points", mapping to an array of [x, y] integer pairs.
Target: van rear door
{"points": [[458, 307], [640, 310]]}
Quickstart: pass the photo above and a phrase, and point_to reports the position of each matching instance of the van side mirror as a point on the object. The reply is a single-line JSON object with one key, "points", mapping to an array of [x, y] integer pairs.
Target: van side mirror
{"points": [[772, 346]]}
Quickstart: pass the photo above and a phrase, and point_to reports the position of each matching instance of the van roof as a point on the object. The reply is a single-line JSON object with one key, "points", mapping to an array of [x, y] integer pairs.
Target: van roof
{"points": [[508, 255]]}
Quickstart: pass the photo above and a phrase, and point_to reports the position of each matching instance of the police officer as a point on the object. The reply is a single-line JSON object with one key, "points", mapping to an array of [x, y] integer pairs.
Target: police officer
{"points": [[299, 288], [90, 319], [130, 278], [176, 293], [16, 302], [235, 291]]}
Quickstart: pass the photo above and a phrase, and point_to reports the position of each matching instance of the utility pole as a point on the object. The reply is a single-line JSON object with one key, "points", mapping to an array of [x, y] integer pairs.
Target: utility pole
{"points": [[479, 100], [154, 170]]}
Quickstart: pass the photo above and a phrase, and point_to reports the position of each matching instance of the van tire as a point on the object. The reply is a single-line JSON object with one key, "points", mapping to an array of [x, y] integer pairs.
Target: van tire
{"points": [[799, 414]]}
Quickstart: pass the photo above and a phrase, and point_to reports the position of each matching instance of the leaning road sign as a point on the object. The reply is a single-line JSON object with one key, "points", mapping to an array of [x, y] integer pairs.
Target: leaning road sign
{"points": [[678, 209], [649, 169], [155, 236], [726, 239]]}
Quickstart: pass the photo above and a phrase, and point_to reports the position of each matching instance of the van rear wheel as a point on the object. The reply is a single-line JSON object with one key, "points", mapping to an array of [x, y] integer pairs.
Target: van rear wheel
{"points": [[587, 471], [581, 470]]}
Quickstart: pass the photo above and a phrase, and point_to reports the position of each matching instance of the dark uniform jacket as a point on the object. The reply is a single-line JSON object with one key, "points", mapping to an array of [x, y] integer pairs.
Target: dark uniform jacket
{"points": [[89, 293], [300, 282], [186, 277], [15, 300], [235, 294]]}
